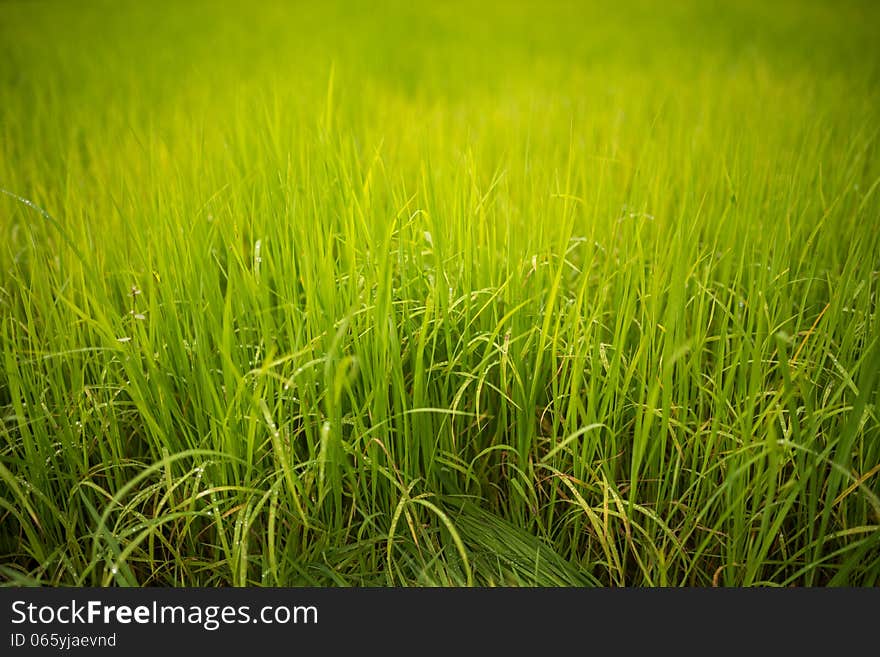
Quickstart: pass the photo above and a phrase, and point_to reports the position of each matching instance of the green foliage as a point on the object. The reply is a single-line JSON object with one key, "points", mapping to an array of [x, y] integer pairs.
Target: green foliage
{"points": [[439, 294]]}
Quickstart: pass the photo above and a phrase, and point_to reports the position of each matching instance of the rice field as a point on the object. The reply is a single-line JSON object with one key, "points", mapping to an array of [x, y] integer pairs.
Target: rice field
{"points": [[440, 294]]}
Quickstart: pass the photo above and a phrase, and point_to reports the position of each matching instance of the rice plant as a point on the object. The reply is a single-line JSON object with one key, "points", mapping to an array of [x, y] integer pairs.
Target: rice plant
{"points": [[440, 294]]}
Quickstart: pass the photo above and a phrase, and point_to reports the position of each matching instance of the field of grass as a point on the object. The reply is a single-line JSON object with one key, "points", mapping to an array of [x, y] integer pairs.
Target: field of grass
{"points": [[440, 293]]}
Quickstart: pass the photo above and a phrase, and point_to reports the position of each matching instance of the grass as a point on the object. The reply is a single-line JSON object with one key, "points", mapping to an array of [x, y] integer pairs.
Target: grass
{"points": [[533, 294]]}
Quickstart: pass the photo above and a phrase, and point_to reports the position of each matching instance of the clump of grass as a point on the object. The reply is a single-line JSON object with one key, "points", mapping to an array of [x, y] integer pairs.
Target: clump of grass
{"points": [[439, 295]]}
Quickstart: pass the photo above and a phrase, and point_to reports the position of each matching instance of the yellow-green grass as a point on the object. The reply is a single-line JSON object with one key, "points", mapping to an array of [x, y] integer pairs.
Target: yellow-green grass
{"points": [[440, 293]]}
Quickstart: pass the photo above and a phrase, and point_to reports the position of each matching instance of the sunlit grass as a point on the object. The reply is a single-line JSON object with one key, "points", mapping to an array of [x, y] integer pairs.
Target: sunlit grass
{"points": [[565, 294]]}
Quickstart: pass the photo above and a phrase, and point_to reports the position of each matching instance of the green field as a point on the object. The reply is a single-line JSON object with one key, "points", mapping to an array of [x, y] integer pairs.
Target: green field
{"points": [[440, 293]]}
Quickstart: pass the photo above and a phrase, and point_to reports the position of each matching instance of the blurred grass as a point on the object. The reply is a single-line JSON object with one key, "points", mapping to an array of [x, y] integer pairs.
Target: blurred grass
{"points": [[411, 294]]}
